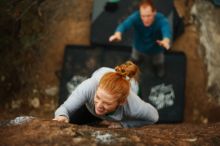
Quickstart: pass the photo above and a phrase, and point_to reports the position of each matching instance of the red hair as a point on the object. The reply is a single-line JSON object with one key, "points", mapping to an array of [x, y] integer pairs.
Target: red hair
{"points": [[147, 3], [118, 83]]}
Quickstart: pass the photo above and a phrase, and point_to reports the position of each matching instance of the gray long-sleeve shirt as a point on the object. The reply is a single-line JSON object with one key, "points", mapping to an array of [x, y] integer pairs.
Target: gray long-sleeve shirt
{"points": [[134, 113]]}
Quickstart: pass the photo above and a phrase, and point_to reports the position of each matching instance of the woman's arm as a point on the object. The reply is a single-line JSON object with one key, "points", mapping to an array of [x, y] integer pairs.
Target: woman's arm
{"points": [[78, 97], [139, 113]]}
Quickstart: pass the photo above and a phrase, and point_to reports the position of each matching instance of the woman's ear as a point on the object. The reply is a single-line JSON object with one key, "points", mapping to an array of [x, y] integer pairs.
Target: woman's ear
{"points": [[122, 102]]}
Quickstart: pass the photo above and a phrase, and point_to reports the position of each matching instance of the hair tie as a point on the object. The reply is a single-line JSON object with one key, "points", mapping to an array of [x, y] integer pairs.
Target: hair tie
{"points": [[120, 70]]}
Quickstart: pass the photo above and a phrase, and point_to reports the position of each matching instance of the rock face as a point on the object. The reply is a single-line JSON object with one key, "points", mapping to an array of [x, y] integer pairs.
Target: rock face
{"points": [[207, 18], [36, 132]]}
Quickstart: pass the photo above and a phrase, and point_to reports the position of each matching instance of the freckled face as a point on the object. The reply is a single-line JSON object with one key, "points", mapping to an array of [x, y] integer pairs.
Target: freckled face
{"points": [[147, 15], [104, 102]]}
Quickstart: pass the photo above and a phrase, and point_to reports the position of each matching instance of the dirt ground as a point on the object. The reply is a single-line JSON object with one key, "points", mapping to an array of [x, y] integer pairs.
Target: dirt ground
{"points": [[46, 132], [32, 58]]}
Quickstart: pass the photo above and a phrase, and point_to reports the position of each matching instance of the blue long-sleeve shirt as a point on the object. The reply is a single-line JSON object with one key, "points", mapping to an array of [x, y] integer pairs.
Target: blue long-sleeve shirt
{"points": [[144, 39]]}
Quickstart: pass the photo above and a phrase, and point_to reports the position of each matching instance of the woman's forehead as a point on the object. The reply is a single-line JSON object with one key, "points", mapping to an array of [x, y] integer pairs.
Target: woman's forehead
{"points": [[105, 95]]}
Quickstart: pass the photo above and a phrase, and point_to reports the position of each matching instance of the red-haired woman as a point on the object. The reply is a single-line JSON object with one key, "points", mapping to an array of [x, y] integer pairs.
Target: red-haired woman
{"points": [[110, 95]]}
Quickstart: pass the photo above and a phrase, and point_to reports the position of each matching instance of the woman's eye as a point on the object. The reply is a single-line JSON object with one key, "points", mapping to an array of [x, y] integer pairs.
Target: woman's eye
{"points": [[107, 104], [96, 100]]}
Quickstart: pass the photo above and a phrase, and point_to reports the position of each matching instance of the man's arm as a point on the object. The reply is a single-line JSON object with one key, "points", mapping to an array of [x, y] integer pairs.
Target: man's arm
{"points": [[166, 33], [165, 42], [115, 37], [125, 25]]}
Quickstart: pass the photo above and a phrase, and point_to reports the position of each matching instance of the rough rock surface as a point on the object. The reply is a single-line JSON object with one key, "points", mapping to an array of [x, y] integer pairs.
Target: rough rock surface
{"points": [[207, 18], [38, 132], [29, 81]]}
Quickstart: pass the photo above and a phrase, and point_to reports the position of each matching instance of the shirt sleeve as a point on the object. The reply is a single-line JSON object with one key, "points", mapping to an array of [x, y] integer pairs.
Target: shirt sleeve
{"points": [[77, 98], [139, 113], [165, 27], [127, 23]]}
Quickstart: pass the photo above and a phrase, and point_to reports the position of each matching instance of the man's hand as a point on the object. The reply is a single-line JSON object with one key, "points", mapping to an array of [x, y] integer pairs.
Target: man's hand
{"points": [[164, 43], [115, 37], [61, 119]]}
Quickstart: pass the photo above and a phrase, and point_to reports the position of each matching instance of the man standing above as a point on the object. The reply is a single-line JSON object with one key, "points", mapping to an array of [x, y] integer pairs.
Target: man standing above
{"points": [[152, 34]]}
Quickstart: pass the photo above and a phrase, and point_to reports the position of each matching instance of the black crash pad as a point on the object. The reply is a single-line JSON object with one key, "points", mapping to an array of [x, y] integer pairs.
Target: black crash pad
{"points": [[216, 2], [105, 20], [166, 94]]}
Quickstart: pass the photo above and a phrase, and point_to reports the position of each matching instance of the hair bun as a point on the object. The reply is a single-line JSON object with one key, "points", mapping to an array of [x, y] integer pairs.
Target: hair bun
{"points": [[127, 70], [121, 70]]}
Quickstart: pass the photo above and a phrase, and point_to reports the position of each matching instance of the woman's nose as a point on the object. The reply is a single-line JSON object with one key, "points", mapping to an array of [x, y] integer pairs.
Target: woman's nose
{"points": [[100, 104]]}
